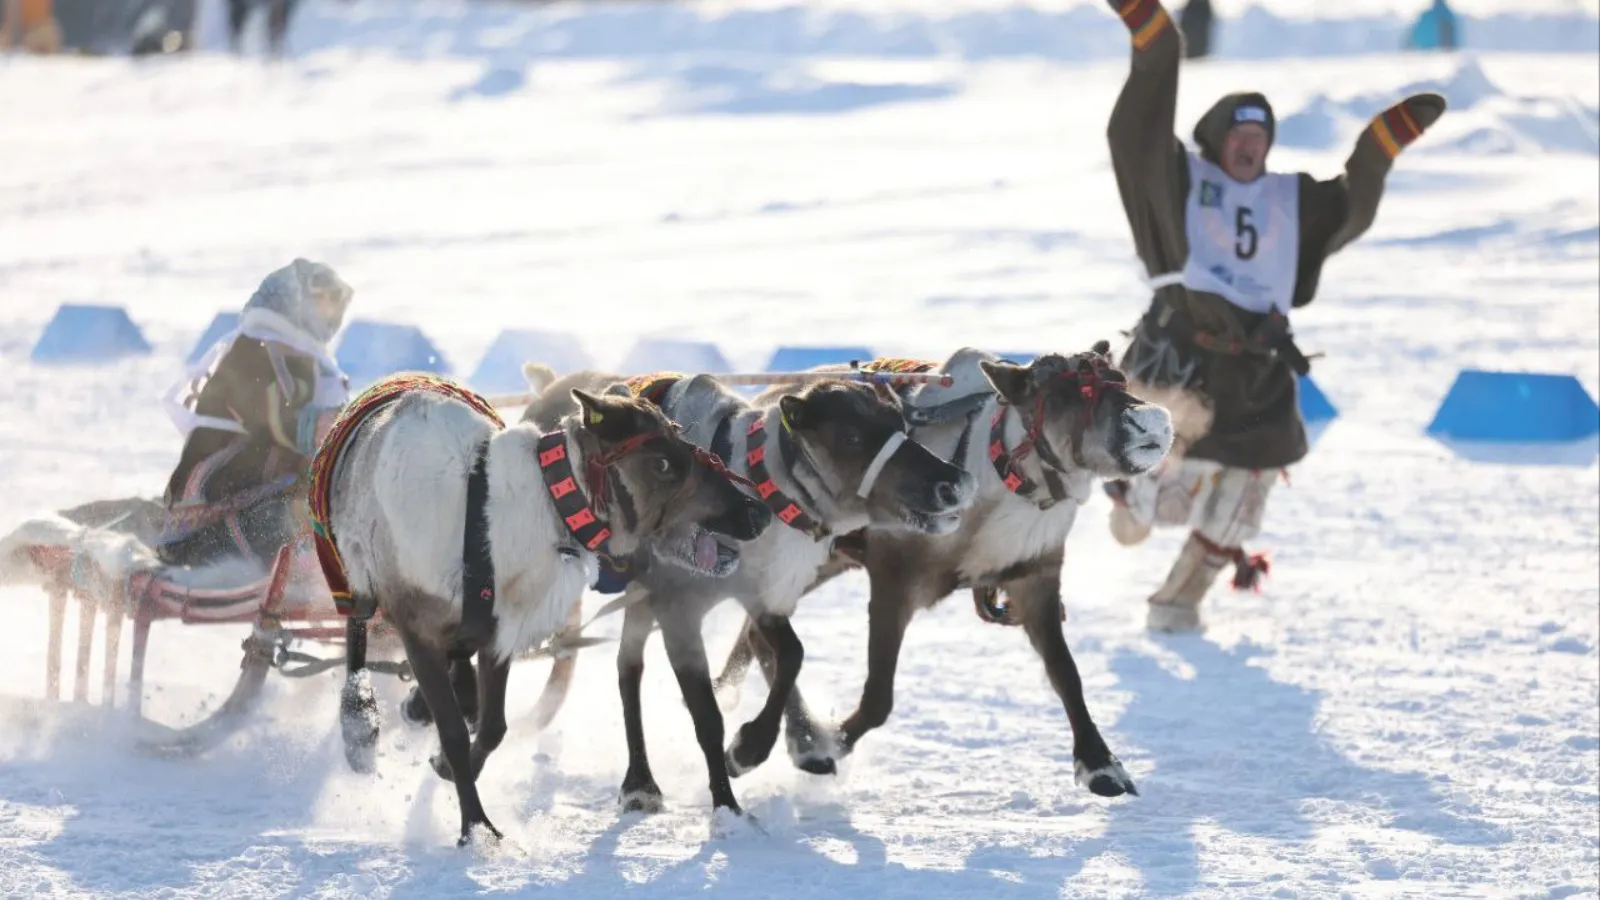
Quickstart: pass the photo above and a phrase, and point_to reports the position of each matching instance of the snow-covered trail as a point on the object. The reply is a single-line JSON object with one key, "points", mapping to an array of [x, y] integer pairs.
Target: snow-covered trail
{"points": [[1409, 708]]}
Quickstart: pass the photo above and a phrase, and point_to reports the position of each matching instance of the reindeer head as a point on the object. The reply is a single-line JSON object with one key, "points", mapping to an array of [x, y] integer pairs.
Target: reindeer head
{"points": [[1079, 413], [660, 490], [855, 437]]}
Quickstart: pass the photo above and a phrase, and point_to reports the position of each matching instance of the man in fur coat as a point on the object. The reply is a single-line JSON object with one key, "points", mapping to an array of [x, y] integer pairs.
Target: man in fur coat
{"points": [[1230, 249], [252, 412]]}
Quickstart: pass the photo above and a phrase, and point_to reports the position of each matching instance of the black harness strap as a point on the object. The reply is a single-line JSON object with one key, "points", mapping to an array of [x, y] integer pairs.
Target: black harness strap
{"points": [[785, 508], [559, 479], [722, 439], [477, 566]]}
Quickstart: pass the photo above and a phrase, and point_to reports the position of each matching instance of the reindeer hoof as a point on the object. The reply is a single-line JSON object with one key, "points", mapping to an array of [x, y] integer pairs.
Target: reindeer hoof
{"points": [[1109, 780], [441, 766], [747, 752], [414, 709], [814, 753], [645, 800], [817, 765], [358, 722], [727, 821], [479, 832]]}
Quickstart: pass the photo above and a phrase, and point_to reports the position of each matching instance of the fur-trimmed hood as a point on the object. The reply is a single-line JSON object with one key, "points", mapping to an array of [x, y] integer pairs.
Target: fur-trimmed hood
{"points": [[292, 291]]}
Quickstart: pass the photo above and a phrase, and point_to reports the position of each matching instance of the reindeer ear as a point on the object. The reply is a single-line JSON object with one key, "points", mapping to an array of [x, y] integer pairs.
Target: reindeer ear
{"points": [[795, 414], [1012, 381], [609, 418]]}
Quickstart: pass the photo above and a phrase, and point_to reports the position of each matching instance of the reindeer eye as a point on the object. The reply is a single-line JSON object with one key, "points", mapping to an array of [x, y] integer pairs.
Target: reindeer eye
{"points": [[661, 467], [851, 437]]}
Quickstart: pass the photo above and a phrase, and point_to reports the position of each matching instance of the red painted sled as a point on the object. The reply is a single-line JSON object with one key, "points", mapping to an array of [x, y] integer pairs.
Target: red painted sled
{"points": [[289, 606]]}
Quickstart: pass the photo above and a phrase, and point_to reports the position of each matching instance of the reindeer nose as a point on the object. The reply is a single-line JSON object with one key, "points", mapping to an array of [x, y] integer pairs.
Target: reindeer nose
{"points": [[946, 495]]}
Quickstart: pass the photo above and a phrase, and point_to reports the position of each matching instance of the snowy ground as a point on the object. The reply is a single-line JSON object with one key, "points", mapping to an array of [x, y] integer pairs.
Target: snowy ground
{"points": [[1409, 708]]}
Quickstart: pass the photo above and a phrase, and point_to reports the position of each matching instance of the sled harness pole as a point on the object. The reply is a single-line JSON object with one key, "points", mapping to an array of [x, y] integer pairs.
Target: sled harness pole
{"points": [[744, 379]]}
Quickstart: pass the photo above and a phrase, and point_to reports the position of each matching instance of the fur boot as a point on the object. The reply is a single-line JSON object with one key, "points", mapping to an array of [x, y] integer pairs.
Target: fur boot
{"points": [[1175, 606]]}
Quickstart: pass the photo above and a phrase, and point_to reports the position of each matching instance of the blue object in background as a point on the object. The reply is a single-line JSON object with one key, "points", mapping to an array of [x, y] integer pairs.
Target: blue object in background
{"points": [[88, 333], [500, 370], [799, 359], [221, 325], [1518, 418], [370, 350], [1315, 407], [1435, 29], [1515, 407], [651, 355]]}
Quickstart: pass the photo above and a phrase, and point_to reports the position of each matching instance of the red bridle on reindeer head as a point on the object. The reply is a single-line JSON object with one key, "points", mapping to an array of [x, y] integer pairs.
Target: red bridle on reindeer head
{"points": [[1094, 377]]}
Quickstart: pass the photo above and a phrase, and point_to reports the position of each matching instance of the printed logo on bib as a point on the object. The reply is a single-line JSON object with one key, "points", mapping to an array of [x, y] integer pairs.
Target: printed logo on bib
{"points": [[1211, 194]]}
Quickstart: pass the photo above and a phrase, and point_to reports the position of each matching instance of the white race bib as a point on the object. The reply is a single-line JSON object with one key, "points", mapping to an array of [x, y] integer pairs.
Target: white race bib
{"points": [[1244, 239]]}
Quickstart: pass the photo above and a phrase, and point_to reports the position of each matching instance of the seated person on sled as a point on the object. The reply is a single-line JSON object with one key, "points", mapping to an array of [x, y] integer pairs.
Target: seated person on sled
{"points": [[1230, 249], [252, 410]]}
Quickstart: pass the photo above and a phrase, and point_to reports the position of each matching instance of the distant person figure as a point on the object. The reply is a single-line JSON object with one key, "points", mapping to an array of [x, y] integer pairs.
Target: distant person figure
{"points": [[1435, 28], [30, 25], [1195, 23], [1230, 250], [278, 13]]}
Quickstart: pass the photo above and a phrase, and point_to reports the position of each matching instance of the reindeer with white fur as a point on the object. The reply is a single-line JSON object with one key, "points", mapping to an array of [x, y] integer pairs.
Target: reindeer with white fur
{"points": [[1047, 431], [412, 478], [828, 458]]}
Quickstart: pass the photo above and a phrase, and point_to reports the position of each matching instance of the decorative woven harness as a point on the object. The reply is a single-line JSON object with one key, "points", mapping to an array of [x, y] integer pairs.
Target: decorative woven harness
{"points": [[654, 387], [1093, 379], [478, 581]]}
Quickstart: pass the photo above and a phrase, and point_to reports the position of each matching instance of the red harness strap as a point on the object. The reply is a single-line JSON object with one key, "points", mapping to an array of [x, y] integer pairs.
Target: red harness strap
{"points": [[1092, 380]]}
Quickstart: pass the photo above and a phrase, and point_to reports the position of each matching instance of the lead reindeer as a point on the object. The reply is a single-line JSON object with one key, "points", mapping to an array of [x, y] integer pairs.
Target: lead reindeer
{"points": [[473, 539], [1048, 431], [828, 458]]}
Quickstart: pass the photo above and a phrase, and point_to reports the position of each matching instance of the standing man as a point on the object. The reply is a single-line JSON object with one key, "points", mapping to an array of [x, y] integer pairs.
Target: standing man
{"points": [[1230, 249]]}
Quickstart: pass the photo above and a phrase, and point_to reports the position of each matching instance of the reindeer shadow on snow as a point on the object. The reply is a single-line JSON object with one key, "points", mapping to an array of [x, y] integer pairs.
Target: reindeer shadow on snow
{"points": [[1192, 730]]}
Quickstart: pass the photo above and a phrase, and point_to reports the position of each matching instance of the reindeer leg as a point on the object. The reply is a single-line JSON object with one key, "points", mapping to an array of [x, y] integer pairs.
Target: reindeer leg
{"points": [[491, 706], [469, 695], [811, 744], [744, 650], [358, 705], [1037, 598], [432, 671], [753, 743], [463, 679], [889, 612], [680, 630], [639, 790]]}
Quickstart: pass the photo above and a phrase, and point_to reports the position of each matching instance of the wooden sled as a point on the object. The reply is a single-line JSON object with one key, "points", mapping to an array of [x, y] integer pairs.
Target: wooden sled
{"points": [[283, 611]]}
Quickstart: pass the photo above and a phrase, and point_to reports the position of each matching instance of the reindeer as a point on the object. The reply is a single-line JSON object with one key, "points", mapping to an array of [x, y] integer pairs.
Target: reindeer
{"points": [[473, 539], [1050, 429], [831, 458]]}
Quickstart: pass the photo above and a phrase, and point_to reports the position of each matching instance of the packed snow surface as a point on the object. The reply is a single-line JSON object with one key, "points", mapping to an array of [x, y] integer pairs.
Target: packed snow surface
{"points": [[1409, 708]]}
